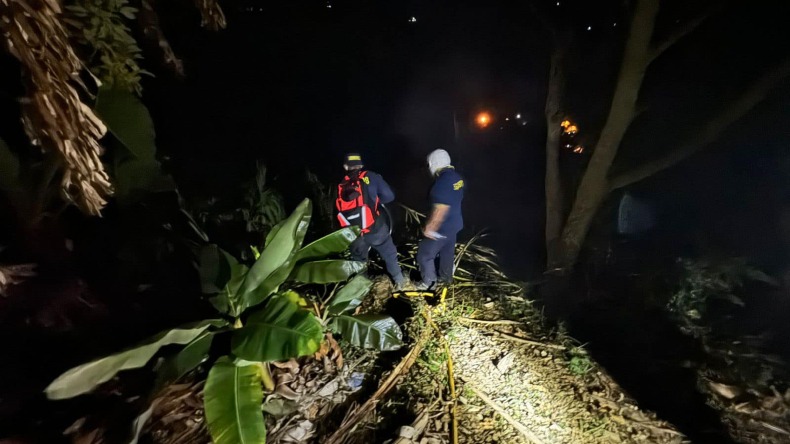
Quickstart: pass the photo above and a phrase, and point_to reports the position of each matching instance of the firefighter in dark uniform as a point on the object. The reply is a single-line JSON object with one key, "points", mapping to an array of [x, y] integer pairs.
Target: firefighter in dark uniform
{"points": [[359, 198], [444, 222]]}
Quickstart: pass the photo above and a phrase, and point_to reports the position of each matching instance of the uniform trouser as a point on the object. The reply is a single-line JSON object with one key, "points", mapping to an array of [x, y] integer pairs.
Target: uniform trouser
{"points": [[381, 241], [427, 252]]}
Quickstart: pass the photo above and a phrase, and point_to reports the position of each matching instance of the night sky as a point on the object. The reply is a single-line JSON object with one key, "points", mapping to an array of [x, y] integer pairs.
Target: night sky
{"points": [[298, 84]]}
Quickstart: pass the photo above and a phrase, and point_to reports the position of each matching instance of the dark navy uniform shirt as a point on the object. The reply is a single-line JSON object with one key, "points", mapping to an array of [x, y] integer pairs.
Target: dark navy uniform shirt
{"points": [[448, 189], [377, 187]]}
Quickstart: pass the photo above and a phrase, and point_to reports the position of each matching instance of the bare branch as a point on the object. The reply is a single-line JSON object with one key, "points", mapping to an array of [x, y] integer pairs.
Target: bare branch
{"points": [[711, 130], [676, 36]]}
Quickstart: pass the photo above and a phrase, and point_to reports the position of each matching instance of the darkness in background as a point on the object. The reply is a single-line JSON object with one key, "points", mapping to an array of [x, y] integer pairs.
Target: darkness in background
{"points": [[297, 85]]}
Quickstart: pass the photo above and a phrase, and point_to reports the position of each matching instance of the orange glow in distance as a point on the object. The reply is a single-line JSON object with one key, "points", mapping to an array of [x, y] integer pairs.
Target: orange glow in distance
{"points": [[483, 119]]}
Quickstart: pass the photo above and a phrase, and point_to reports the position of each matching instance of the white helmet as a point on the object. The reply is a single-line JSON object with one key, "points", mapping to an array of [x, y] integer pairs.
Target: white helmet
{"points": [[438, 160]]}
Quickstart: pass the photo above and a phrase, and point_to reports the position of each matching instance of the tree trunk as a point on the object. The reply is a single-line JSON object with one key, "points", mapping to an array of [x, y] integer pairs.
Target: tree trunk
{"points": [[555, 199], [594, 186]]}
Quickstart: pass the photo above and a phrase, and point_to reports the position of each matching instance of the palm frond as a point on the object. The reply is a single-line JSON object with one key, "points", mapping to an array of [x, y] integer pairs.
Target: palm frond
{"points": [[54, 116], [14, 274]]}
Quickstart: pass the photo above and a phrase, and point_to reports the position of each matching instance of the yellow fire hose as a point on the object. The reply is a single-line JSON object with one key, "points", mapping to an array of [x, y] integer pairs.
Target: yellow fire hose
{"points": [[414, 294], [450, 374]]}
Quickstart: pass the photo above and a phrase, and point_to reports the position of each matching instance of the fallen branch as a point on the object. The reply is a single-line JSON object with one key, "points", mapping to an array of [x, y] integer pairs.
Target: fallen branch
{"points": [[485, 322], [357, 415], [521, 340], [774, 428], [517, 425], [625, 411]]}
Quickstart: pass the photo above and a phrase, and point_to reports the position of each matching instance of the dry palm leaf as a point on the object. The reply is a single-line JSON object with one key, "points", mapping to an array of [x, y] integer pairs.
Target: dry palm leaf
{"points": [[54, 117], [211, 14], [14, 274]]}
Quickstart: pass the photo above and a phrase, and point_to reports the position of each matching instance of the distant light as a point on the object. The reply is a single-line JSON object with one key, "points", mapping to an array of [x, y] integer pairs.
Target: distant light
{"points": [[518, 116], [483, 119], [329, 6], [413, 20], [614, 24], [578, 149], [507, 118], [589, 28], [558, 3], [523, 123], [565, 123]]}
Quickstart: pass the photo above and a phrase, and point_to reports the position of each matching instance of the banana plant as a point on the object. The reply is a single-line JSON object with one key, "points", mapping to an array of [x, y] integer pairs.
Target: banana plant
{"points": [[372, 331], [264, 321]]}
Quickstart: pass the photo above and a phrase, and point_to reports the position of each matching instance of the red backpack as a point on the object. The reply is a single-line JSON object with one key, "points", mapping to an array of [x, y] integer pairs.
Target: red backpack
{"points": [[353, 204]]}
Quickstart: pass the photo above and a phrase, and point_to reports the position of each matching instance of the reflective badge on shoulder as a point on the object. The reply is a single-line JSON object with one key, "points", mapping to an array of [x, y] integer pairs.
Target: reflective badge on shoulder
{"points": [[458, 185]]}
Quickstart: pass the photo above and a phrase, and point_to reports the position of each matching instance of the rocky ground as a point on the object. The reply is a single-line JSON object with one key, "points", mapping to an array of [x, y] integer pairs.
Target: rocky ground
{"points": [[516, 382]]}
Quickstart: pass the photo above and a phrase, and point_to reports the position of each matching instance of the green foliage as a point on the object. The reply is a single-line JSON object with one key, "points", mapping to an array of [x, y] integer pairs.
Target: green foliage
{"points": [[232, 403], [350, 296], [135, 168], [372, 331], [580, 364], [265, 207], [704, 282], [327, 271], [280, 331], [84, 378], [276, 261], [185, 360], [260, 212], [333, 243], [100, 26]]}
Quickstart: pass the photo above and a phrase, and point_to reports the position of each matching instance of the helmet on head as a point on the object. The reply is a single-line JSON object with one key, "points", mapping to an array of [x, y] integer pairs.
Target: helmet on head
{"points": [[438, 160], [352, 160]]}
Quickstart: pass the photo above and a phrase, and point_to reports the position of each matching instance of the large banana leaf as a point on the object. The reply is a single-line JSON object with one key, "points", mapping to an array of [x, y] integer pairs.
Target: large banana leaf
{"points": [[214, 268], [84, 378], [333, 243], [273, 232], [281, 330], [327, 271], [350, 296], [377, 332], [232, 402], [263, 278], [128, 120], [185, 360], [222, 274], [135, 168]]}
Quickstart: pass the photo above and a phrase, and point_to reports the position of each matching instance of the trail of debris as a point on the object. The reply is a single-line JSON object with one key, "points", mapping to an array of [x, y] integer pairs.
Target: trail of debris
{"points": [[517, 382]]}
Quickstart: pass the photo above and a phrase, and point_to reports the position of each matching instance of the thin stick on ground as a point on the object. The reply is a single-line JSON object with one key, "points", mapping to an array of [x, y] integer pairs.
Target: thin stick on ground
{"points": [[494, 322], [510, 337], [497, 408]]}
